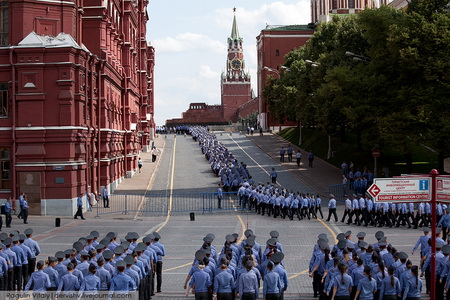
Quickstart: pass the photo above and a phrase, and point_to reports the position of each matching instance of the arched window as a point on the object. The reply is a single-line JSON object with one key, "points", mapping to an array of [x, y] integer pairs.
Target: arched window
{"points": [[277, 52]]}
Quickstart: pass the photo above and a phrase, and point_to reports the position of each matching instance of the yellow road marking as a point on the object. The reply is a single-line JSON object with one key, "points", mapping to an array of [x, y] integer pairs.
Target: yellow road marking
{"points": [[298, 274], [174, 268], [243, 228], [171, 188], [328, 227]]}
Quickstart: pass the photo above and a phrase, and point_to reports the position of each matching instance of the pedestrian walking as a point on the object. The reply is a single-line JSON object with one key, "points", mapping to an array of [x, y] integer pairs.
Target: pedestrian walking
{"points": [[342, 285], [219, 196], [140, 164], [273, 176], [25, 210], [290, 152], [79, 208], [200, 283], [105, 197], [8, 208], [155, 152], [332, 208], [310, 158], [298, 157], [282, 152]]}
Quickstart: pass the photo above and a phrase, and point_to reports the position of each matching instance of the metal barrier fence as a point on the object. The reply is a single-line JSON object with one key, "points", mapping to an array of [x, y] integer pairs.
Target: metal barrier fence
{"points": [[340, 190], [160, 204]]}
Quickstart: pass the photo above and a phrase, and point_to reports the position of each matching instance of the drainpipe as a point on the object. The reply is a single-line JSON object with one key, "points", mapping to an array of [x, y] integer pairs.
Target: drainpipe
{"points": [[100, 65], [13, 129]]}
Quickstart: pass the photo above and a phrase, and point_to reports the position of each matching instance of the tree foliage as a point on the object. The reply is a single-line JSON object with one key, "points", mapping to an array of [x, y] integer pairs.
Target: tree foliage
{"points": [[396, 94]]}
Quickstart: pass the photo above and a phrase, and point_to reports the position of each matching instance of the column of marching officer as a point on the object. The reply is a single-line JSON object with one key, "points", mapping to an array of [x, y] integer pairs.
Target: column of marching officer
{"points": [[89, 267], [238, 269]]}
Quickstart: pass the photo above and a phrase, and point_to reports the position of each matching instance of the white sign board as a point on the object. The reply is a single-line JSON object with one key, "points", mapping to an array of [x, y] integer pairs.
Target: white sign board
{"points": [[443, 189], [412, 189]]}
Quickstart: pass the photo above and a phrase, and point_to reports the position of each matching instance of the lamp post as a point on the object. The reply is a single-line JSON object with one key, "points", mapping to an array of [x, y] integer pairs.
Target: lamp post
{"points": [[272, 70]]}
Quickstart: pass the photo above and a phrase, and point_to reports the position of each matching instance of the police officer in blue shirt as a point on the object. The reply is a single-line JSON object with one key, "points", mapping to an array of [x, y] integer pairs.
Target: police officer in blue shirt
{"points": [[332, 208], [79, 207], [121, 283], [272, 283], [201, 281], [39, 280], [8, 217], [223, 286], [35, 249]]}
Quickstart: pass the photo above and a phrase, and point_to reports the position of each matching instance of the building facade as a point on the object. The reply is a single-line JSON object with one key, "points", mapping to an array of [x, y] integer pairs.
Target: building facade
{"points": [[273, 43], [323, 10], [236, 91], [76, 81]]}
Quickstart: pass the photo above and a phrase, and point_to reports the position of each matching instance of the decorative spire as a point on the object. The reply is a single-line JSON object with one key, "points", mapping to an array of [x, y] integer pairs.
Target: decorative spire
{"points": [[235, 30]]}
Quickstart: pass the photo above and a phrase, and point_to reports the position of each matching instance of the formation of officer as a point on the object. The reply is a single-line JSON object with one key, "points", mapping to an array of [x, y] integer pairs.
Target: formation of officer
{"points": [[17, 259], [91, 266], [223, 164], [363, 211], [350, 269], [238, 269]]}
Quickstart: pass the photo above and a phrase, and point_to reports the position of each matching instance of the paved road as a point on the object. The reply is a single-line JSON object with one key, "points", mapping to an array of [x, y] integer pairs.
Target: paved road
{"points": [[183, 168]]}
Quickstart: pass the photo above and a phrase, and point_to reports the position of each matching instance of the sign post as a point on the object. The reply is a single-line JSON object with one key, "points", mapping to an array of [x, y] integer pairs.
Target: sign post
{"points": [[416, 189], [375, 154]]}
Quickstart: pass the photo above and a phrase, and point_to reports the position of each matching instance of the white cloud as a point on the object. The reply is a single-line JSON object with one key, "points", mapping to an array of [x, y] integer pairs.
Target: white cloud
{"points": [[188, 41], [207, 72]]}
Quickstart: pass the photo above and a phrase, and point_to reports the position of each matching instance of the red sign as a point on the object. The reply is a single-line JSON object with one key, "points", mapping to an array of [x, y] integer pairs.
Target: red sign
{"points": [[376, 153], [373, 190]]}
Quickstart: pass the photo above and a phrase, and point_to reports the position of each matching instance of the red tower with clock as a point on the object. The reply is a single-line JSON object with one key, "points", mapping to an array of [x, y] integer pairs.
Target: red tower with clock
{"points": [[236, 87]]}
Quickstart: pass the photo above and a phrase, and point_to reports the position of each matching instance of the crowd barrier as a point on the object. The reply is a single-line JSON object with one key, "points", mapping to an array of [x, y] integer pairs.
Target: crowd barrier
{"points": [[160, 204]]}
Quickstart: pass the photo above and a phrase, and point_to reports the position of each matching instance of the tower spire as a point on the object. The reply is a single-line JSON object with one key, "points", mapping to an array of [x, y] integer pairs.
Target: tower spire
{"points": [[234, 29]]}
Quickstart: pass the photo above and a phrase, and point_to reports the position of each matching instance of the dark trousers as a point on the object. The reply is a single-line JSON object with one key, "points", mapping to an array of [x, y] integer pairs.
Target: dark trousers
{"points": [[219, 202], [289, 156], [25, 215], [105, 201], [332, 211], [79, 212], [226, 296], [8, 219], [272, 296], [346, 214], [202, 296], [248, 296], [282, 157], [31, 266], [153, 158], [2, 283], [17, 284], [158, 276], [298, 162], [24, 275], [10, 284], [274, 180], [319, 210]]}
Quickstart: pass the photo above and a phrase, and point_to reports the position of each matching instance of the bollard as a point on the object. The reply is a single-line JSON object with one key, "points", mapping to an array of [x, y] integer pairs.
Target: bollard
{"points": [[192, 216], [57, 222]]}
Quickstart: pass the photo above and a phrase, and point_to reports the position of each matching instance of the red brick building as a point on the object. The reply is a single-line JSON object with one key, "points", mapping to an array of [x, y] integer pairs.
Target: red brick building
{"points": [[273, 43], [236, 91], [76, 96]]}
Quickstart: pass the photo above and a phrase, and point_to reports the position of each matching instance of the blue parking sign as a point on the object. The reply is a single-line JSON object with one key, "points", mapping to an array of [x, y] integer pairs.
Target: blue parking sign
{"points": [[423, 185]]}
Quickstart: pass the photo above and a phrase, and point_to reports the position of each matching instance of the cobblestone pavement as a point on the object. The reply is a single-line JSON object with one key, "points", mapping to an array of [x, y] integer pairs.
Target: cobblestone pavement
{"points": [[183, 168]]}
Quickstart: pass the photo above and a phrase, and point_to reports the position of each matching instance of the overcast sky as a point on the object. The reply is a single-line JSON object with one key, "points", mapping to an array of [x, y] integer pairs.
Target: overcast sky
{"points": [[190, 41]]}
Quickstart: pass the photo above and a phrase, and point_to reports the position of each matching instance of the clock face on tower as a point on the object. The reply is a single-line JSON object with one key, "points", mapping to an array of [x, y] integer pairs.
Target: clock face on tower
{"points": [[236, 64]]}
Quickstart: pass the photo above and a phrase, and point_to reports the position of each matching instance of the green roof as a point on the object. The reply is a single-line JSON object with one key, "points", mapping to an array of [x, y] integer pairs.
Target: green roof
{"points": [[288, 27]]}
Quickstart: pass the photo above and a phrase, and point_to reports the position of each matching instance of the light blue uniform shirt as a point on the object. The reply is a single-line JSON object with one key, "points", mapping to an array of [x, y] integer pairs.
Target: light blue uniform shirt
{"points": [[367, 288], [413, 289], [248, 283], [387, 289], [68, 282], [201, 280], [33, 245], [39, 280], [223, 282], [343, 289], [122, 282], [91, 283], [272, 284], [105, 278], [332, 203]]}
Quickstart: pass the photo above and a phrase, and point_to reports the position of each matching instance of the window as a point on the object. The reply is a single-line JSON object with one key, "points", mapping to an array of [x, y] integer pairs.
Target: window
{"points": [[5, 159], [351, 4], [335, 4], [3, 99], [277, 52], [4, 23]]}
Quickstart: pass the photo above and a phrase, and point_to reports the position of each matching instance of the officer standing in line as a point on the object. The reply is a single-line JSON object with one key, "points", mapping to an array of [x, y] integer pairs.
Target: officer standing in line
{"points": [[8, 217], [35, 249], [105, 197], [347, 209], [159, 262]]}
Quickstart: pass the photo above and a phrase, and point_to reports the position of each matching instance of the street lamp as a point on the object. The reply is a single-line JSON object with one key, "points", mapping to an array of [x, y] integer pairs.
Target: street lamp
{"points": [[357, 57], [272, 70]]}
